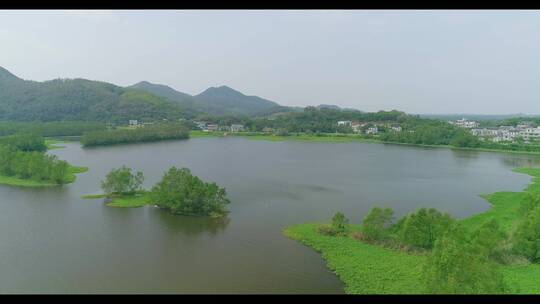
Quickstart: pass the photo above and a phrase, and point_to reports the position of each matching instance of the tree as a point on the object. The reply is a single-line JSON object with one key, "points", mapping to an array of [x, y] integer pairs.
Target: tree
{"points": [[526, 240], [421, 228], [340, 224], [456, 266], [183, 193], [376, 224], [489, 240], [122, 181]]}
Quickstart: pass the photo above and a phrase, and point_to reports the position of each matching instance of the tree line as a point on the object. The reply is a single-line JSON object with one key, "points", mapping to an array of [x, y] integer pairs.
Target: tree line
{"points": [[142, 134]]}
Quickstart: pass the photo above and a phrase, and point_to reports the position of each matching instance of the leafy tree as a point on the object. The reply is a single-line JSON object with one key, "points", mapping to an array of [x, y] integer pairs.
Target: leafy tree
{"points": [[376, 224], [340, 224], [457, 266], [122, 181], [489, 239], [421, 228], [183, 193]]}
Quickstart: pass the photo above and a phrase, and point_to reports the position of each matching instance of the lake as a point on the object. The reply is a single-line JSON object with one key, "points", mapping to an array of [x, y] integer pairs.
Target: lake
{"points": [[52, 241]]}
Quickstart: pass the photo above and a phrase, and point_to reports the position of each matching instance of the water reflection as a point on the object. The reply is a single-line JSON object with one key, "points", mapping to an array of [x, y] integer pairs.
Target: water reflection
{"points": [[520, 161], [191, 225]]}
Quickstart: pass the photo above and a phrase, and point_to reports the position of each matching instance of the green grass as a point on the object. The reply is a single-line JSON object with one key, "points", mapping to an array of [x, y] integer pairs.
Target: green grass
{"points": [[366, 268], [122, 201], [129, 201], [93, 196], [53, 144], [15, 181]]}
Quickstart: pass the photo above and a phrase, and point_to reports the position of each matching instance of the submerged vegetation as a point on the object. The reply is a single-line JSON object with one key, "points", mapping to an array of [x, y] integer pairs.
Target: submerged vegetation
{"points": [[429, 252], [142, 134]]}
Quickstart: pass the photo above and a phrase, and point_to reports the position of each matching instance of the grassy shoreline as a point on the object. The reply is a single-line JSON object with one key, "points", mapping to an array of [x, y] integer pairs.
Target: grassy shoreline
{"points": [[15, 181], [342, 139], [370, 269]]}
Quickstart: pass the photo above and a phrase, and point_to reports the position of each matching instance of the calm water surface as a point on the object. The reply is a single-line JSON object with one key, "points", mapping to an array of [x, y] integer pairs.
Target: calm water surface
{"points": [[51, 240]]}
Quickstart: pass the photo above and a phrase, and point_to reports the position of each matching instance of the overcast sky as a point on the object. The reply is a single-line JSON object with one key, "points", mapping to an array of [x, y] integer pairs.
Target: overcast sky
{"points": [[415, 61]]}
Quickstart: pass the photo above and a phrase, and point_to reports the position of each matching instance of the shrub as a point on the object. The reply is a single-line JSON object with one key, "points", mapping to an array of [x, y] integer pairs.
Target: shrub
{"points": [[340, 224], [421, 228], [122, 181], [526, 240], [375, 226], [456, 266], [183, 193]]}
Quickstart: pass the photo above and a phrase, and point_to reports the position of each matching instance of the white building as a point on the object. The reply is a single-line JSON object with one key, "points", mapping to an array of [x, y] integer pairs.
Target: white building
{"points": [[344, 123], [396, 128], [133, 122], [356, 126], [464, 123], [529, 134], [237, 128], [372, 130]]}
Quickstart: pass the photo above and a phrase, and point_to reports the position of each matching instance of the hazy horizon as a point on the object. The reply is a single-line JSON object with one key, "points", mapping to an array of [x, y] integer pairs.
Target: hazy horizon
{"points": [[424, 62]]}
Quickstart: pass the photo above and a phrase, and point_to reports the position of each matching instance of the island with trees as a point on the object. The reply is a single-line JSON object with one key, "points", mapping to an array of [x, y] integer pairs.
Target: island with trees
{"points": [[24, 162], [427, 251], [179, 192]]}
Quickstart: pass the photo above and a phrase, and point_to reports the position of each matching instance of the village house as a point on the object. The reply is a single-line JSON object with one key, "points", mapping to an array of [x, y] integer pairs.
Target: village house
{"points": [[464, 123], [372, 130], [356, 126], [344, 123], [211, 127], [237, 128], [396, 128], [133, 122], [267, 130]]}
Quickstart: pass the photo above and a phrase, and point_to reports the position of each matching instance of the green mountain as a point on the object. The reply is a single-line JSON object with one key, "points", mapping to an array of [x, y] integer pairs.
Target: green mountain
{"points": [[224, 99], [81, 99], [216, 100]]}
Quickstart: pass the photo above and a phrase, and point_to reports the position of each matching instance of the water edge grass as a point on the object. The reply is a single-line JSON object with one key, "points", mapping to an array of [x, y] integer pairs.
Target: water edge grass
{"points": [[370, 269], [15, 181]]}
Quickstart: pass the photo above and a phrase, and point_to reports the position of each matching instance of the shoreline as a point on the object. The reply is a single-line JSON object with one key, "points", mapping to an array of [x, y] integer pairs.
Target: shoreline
{"points": [[345, 139], [20, 182], [366, 268]]}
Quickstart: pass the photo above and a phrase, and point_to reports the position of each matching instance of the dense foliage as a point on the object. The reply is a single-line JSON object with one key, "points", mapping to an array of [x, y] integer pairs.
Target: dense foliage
{"points": [[24, 142], [122, 181], [36, 166], [376, 225], [140, 134], [183, 193], [80, 100], [421, 228], [459, 264], [527, 236], [47, 129]]}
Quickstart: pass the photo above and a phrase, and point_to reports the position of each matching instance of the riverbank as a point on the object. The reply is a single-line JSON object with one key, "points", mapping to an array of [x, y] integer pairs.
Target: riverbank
{"points": [[370, 269], [14, 181], [341, 138]]}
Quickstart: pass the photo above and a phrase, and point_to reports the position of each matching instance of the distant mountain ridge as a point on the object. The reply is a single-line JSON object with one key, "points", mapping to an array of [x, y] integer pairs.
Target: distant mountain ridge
{"points": [[80, 99], [214, 100]]}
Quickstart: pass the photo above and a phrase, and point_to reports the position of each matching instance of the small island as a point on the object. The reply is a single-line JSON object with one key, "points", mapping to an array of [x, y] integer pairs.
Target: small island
{"points": [[23, 162], [179, 192]]}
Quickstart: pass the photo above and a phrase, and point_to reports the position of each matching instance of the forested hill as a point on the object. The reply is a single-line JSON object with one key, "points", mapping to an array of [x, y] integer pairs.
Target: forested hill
{"points": [[81, 99], [221, 100]]}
